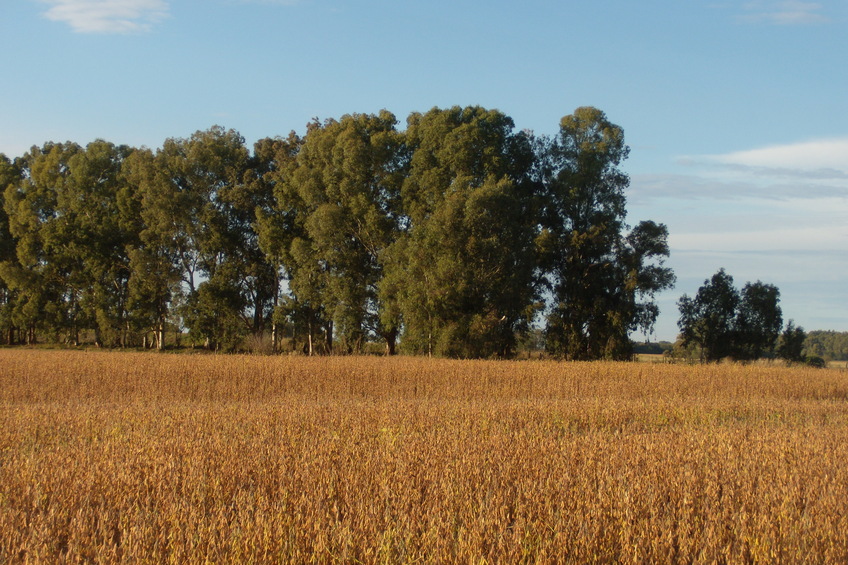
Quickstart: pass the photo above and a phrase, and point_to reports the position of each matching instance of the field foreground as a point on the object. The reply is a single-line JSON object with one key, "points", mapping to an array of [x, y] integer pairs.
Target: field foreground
{"points": [[133, 457]]}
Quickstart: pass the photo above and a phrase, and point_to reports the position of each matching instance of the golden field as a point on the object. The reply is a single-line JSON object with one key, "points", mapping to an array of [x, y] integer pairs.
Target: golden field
{"points": [[146, 458]]}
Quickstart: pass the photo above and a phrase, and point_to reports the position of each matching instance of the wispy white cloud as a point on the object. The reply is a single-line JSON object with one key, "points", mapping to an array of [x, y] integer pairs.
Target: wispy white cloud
{"points": [[809, 170], [762, 239], [818, 155], [732, 183], [783, 12], [107, 16]]}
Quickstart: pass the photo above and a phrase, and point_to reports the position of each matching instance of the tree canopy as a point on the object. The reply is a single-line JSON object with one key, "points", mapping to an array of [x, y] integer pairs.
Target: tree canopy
{"points": [[725, 322], [453, 237], [603, 278]]}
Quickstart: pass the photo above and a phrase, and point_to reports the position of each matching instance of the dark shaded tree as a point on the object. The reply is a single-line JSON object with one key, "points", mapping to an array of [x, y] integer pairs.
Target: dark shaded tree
{"points": [[603, 280], [790, 348], [707, 320], [722, 322], [758, 321], [10, 174]]}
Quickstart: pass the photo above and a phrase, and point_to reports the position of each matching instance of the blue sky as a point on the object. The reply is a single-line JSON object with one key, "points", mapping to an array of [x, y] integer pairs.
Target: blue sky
{"points": [[736, 111]]}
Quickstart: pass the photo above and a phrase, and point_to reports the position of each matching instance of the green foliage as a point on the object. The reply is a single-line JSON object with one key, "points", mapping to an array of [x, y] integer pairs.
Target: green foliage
{"points": [[722, 322], [829, 345], [441, 239], [815, 361], [215, 313], [198, 204], [463, 269], [346, 180], [10, 174], [278, 220], [47, 271], [791, 344], [603, 279]]}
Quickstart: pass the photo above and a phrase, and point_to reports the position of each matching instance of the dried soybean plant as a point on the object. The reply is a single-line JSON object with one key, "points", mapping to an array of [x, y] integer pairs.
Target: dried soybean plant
{"points": [[132, 457]]}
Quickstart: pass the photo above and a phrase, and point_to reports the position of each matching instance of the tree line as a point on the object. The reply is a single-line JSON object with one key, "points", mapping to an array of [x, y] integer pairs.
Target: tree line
{"points": [[450, 237], [722, 322], [829, 345]]}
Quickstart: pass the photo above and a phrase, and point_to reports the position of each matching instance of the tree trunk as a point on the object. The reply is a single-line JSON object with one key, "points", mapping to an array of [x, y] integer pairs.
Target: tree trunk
{"points": [[391, 341], [160, 335]]}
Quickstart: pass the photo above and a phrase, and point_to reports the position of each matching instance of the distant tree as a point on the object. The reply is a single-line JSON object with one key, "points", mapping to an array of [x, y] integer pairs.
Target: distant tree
{"points": [[708, 319], [827, 344], [758, 321], [603, 279], [722, 322], [791, 344]]}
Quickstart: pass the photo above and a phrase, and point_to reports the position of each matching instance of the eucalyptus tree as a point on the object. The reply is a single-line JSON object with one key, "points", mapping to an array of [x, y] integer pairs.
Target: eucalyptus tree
{"points": [[10, 174], [71, 268], [100, 236], [154, 285], [46, 273], [462, 273], [279, 220], [603, 280], [347, 180], [191, 208]]}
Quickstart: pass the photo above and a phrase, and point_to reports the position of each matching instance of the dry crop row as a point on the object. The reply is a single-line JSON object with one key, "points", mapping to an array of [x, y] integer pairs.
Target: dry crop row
{"points": [[110, 457]]}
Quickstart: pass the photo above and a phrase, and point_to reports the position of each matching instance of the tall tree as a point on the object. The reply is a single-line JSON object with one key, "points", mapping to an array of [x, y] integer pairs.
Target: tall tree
{"points": [[47, 273], [197, 217], [10, 175], [603, 280], [279, 221], [462, 273], [347, 177], [100, 236], [155, 277]]}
